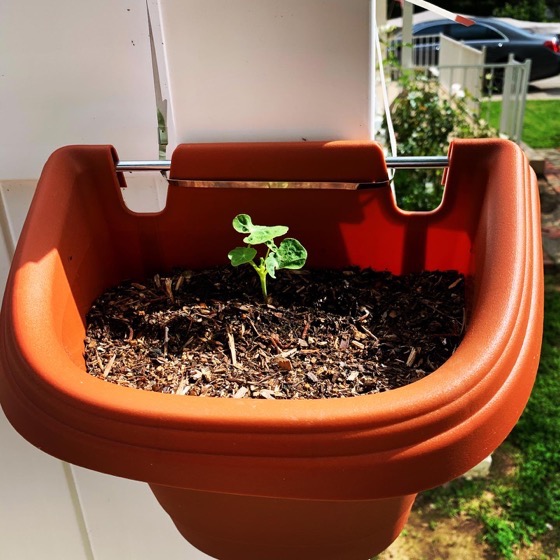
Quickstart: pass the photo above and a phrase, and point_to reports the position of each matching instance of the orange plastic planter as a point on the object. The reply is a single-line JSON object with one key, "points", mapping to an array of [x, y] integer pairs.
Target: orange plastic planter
{"points": [[254, 479]]}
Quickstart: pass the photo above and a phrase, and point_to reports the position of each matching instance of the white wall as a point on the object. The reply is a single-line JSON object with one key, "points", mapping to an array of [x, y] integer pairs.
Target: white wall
{"points": [[268, 69], [50, 510], [73, 71], [79, 71]]}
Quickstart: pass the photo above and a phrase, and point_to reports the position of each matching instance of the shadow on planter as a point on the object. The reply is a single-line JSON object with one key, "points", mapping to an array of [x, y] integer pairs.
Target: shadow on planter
{"points": [[253, 479]]}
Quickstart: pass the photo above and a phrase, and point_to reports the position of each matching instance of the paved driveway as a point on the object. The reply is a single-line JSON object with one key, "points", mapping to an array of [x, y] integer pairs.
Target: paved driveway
{"points": [[545, 89]]}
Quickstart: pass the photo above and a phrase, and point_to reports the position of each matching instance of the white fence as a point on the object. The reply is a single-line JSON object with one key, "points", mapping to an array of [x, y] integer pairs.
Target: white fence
{"points": [[514, 98], [461, 67], [458, 67], [480, 81]]}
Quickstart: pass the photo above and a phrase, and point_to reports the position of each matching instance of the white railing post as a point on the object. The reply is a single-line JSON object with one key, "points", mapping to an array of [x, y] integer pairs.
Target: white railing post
{"points": [[506, 122], [407, 50], [523, 85], [460, 66]]}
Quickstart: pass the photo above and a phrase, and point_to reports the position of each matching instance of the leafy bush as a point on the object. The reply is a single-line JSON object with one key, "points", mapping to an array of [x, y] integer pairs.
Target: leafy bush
{"points": [[500, 534], [425, 121], [528, 10]]}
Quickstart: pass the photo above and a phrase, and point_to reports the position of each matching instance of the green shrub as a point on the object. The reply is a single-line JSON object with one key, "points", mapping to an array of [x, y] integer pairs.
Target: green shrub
{"points": [[425, 121], [500, 534], [528, 10]]}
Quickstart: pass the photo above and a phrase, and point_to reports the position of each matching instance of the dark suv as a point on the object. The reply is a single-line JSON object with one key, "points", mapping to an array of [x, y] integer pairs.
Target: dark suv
{"points": [[499, 38]]}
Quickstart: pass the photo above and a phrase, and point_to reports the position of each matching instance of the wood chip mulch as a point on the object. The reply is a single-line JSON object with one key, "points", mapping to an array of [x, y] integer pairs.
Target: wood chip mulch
{"points": [[323, 334]]}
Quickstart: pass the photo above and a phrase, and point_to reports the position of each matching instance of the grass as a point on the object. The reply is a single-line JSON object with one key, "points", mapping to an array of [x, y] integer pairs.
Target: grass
{"points": [[541, 127], [520, 504]]}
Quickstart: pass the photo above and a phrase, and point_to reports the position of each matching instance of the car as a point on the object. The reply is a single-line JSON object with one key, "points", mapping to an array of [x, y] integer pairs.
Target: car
{"points": [[498, 37]]}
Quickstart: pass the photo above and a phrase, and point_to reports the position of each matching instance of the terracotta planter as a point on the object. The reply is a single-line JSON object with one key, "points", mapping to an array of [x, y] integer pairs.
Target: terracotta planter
{"points": [[246, 479]]}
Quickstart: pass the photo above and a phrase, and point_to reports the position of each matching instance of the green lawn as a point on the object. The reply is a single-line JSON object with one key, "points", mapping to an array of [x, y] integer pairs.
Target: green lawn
{"points": [[542, 122], [520, 505]]}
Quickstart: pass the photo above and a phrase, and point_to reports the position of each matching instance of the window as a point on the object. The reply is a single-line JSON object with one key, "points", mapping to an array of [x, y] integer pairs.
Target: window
{"points": [[475, 32], [435, 29]]}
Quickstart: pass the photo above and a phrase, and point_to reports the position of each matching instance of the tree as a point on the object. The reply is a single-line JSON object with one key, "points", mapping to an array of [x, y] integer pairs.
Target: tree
{"points": [[539, 10], [534, 10], [469, 7]]}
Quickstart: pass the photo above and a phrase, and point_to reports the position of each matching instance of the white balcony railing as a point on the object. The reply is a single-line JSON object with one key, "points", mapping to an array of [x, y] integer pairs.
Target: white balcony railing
{"points": [[459, 68]]}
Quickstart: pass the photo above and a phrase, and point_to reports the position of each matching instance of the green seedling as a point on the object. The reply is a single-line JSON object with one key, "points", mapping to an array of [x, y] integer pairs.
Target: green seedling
{"points": [[290, 254]]}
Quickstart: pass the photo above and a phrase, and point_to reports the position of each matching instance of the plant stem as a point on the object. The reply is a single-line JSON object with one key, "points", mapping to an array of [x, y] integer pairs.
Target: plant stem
{"points": [[261, 271], [262, 277]]}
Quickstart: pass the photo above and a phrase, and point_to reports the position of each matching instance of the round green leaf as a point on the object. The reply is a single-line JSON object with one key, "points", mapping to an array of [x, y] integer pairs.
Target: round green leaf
{"points": [[243, 223], [271, 264], [241, 255], [291, 254], [262, 234]]}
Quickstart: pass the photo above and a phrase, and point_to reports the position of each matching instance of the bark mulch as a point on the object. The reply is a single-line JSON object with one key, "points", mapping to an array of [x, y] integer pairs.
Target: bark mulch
{"points": [[323, 334]]}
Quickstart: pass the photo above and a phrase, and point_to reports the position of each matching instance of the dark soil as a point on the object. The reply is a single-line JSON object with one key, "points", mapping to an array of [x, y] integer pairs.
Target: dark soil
{"points": [[323, 334]]}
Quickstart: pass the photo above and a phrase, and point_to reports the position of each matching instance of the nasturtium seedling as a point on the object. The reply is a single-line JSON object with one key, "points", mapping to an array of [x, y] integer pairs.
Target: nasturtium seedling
{"points": [[290, 254]]}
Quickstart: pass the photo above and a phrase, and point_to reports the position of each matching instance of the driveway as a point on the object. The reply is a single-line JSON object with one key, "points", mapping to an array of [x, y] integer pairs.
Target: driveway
{"points": [[545, 89]]}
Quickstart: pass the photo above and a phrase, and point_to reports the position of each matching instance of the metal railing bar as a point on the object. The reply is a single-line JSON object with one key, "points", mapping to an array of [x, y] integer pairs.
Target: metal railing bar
{"points": [[487, 67], [143, 165], [417, 162], [399, 162]]}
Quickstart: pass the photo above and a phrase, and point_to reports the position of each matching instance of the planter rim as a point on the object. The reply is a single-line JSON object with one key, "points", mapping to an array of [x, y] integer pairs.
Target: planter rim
{"points": [[73, 385], [391, 429]]}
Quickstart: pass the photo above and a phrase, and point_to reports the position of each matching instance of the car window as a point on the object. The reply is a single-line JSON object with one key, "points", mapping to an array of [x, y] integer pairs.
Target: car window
{"points": [[434, 29], [475, 32]]}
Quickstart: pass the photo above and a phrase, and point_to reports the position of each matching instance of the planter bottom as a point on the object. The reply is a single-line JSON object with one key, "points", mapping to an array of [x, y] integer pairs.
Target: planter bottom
{"points": [[231, 527]]}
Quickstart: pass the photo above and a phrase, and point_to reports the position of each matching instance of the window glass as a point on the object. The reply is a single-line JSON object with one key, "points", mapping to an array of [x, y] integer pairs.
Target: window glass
{"points": [[435, 29], [475, 32]]}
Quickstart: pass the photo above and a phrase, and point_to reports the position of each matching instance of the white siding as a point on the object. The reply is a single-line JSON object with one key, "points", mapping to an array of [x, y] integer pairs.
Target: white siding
{"points": [[268, 70], [38, 516], [73, 71], [125, 522], [78, 71], [50, 510]]}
